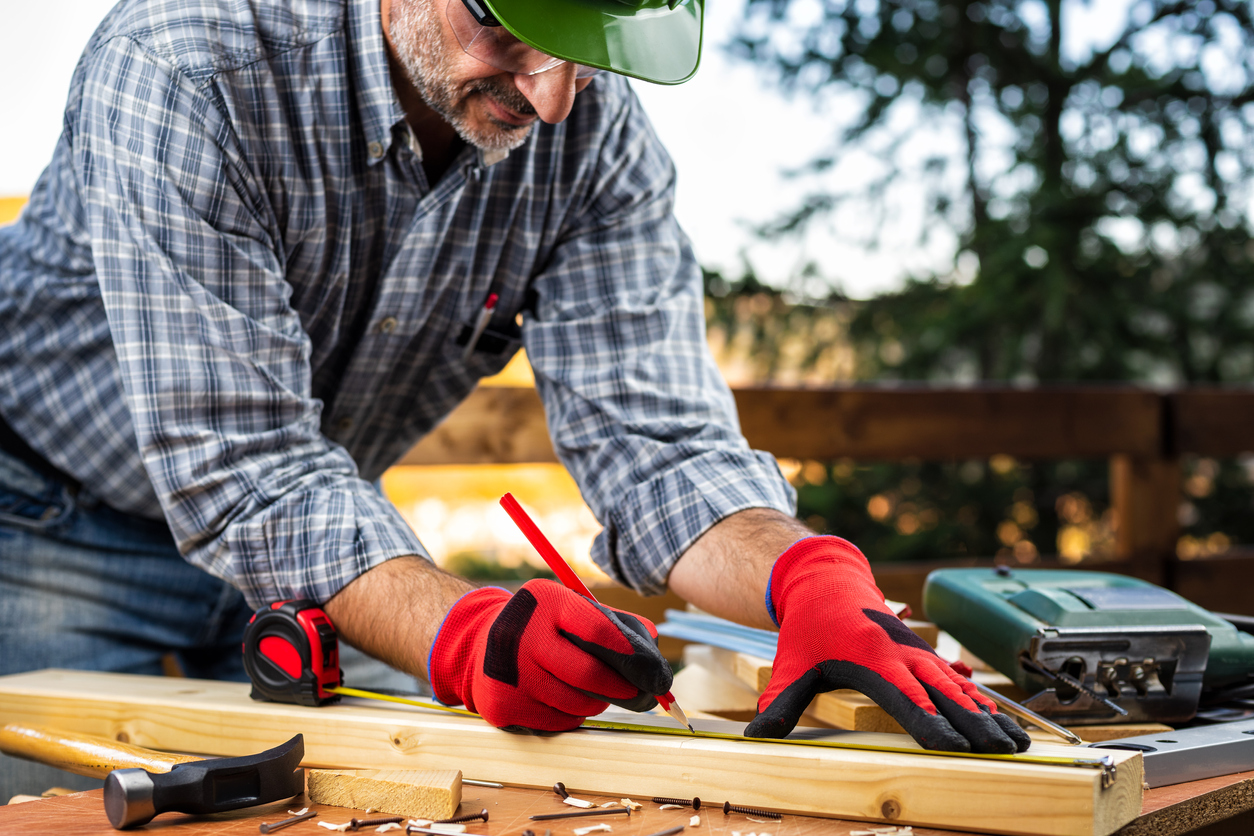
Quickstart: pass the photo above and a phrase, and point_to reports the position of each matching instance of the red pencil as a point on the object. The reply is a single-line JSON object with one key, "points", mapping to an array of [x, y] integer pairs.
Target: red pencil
{"points": [[571, 581]]}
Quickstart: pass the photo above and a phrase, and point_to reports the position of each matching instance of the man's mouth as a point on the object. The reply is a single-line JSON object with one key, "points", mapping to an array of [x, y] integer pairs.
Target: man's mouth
{"points": [[504, 114]]}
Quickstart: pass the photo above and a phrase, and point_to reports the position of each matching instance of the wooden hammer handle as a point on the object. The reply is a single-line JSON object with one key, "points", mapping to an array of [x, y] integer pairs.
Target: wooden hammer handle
{"points": [[82, 754]]}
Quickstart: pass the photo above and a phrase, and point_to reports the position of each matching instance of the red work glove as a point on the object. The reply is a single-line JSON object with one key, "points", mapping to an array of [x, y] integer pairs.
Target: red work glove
{"points": [[836, 632], [545, 658]]}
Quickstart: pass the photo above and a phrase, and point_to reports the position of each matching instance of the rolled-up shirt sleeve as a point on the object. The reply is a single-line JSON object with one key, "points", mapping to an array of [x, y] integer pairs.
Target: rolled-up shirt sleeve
{"points": [[637, 409], [215, 364]]}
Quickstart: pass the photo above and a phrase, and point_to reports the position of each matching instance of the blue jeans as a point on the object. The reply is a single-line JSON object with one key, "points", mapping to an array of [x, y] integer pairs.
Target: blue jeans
{"points": [[85, 587]]}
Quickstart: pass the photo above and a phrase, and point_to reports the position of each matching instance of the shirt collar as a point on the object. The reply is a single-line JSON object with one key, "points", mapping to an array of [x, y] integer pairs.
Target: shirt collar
{"points": [[377, 104]]}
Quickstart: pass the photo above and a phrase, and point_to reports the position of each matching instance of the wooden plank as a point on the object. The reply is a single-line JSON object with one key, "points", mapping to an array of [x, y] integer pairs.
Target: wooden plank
{"points": [[840, 709], [930, 424], [1012, 797], [1145, 498], [506, 424], [1212, 422], [417, 793]]}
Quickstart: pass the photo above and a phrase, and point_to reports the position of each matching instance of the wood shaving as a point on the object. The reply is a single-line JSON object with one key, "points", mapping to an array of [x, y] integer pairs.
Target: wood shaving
{"points": [[342, 828], [735, 833], [695, 821], [609, 804], [447, 828], [762, 821], [632, 805], [594, 828], [302, 811], [420, 822], [384, 828], [576, 802], [671, 807]]}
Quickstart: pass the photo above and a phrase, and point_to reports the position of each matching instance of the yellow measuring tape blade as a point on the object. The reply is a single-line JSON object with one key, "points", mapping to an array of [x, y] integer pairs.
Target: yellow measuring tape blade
{"points": [[1047, 760]]}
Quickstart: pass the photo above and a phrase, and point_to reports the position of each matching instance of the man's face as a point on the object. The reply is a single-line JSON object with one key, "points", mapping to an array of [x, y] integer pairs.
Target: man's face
{"points": [[489, 108]]}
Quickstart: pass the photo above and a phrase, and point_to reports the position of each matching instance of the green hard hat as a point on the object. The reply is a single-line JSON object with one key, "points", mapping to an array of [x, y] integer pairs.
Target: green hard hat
{"points": [[653, 40]]}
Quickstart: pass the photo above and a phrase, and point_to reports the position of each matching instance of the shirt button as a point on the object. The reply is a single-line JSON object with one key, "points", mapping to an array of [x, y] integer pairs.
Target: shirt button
{"points": [[344, 425], [375, 149], [388, 325]]}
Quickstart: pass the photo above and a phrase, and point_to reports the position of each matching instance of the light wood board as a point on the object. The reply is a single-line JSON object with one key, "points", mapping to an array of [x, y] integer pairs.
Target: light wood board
{"points": [[417, 793], [842, 709], [219, 718]]}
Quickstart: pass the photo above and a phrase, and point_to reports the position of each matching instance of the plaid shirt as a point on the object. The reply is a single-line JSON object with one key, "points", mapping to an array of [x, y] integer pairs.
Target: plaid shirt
{"points": [[234, 300]]}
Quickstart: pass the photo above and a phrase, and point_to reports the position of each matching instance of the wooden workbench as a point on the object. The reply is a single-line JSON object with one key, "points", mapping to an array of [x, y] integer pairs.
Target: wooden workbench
{"points": [[1167, 811]]}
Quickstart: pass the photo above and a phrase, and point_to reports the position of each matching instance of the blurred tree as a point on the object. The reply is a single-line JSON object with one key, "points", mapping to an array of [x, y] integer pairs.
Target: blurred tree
{"points": [[1096, 187], [1099, 193]]}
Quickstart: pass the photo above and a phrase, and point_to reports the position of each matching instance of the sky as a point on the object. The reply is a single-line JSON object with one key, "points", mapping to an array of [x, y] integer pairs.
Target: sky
{"points": [[730, 133]]}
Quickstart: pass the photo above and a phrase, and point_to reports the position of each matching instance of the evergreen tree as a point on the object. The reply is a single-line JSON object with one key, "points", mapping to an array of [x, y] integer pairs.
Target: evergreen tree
{"points": [[1103, 191]]}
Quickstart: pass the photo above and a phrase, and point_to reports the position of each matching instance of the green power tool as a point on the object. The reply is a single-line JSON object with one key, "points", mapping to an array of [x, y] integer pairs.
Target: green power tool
{"points": [[1093, 647]]}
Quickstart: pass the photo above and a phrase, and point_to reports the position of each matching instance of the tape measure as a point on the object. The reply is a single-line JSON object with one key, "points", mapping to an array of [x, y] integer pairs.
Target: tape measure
{"points": [[292, 654]]}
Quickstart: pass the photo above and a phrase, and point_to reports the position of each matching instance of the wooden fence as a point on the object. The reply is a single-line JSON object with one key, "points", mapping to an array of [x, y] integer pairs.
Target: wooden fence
{"points": [[1142, 433]]}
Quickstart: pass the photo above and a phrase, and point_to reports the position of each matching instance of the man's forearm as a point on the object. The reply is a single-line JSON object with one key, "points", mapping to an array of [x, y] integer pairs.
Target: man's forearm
{"points": [[726, 570], [393, 611]]}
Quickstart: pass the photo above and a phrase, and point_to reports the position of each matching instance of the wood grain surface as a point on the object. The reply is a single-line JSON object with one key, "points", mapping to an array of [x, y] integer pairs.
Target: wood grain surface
{"points": [[1012, 796], [1167, 811], [82, 814]]}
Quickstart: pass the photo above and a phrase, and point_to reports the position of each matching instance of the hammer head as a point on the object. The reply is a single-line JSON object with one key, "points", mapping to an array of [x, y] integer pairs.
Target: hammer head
{"points": [[133, 796]]}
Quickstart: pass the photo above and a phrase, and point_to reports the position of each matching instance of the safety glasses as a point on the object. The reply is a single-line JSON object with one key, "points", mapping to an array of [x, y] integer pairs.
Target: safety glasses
{"points": [[484, 39]]}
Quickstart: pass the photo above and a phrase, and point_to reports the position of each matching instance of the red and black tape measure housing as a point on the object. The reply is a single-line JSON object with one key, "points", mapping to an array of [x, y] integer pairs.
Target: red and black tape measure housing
{"points": [[292, 655]]}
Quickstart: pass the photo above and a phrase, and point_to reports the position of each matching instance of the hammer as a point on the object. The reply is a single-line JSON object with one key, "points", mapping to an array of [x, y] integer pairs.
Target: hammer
{"points": [[141, 783]]}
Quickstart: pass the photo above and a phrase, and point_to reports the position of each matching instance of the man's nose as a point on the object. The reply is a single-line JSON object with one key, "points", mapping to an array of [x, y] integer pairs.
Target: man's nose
{"points": [[551, 93]]}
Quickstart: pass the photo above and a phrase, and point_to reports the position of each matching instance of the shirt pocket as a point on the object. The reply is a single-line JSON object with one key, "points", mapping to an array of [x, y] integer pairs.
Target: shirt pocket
{"points": [[495, 346]]}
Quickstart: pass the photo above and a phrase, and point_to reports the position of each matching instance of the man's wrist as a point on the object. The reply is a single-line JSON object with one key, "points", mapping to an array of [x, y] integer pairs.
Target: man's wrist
{"points": [[393, 611], [726, 571]]}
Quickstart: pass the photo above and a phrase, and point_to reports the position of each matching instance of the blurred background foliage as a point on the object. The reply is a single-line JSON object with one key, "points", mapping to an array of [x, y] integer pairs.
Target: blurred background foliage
{"points": [[1101, 201]]}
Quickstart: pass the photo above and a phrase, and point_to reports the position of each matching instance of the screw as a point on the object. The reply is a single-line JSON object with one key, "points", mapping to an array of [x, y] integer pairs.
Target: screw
{"points": [[279, 825], [528, 833], [728, 807], [482, 815], [356, 824], [682, 802], [560, 789], [575, 814]]}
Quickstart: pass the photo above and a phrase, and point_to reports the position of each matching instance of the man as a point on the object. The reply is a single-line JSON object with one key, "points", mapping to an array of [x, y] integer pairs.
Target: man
{"points": [[246, 285]]}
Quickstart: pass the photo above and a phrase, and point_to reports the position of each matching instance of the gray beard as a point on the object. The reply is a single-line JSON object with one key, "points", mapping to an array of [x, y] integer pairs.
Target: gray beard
{"points": [[415, 30]]}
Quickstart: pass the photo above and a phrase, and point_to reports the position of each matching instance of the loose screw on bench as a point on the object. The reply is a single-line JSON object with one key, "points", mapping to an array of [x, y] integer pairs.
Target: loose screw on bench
{"points": [[482, 815], [728, 807], [694, 803], [279, 825]]}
